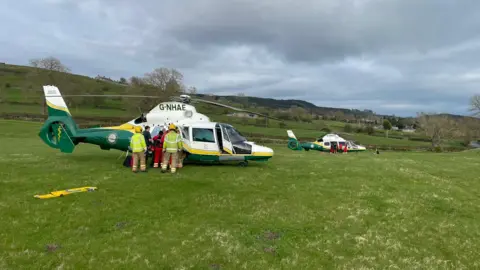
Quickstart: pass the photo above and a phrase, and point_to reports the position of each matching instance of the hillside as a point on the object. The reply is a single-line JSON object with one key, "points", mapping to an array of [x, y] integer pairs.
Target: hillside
{"points": [[22, 85]]}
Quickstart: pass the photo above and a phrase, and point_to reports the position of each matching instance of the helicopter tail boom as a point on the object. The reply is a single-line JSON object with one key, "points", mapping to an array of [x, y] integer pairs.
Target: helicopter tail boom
{"points": [[59, 129], [293, 143]]}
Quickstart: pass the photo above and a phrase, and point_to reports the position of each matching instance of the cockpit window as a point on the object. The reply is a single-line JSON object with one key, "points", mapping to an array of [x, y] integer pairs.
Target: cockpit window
{"points": [[185, 133], [233, 135]]}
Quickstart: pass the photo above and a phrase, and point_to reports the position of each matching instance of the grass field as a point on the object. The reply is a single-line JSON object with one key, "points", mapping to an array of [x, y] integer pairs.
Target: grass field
{"points": [[301, 210]]}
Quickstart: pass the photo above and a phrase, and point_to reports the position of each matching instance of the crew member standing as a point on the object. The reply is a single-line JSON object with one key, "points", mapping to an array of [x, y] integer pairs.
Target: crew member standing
{"points": [[162, 140], [157, 148], [171, 146], [138, 148], [148, 140], [181, 154]]}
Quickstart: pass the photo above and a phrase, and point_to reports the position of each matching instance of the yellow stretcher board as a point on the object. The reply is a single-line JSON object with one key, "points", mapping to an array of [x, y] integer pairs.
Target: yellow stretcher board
{"points": [[61, 193]]}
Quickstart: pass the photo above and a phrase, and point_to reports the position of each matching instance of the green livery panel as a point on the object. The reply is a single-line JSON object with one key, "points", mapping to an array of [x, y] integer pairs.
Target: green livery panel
{"points": [[63, 140], [60, 132], [297, 146]]}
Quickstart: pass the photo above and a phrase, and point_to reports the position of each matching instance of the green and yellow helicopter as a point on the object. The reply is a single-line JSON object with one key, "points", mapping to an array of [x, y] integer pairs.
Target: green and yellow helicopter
{"points": [[203, 140], [323, 144]]}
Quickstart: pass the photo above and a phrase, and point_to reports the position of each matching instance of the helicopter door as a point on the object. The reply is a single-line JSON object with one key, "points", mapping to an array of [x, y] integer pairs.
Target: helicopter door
{"points": [[226, 142]]}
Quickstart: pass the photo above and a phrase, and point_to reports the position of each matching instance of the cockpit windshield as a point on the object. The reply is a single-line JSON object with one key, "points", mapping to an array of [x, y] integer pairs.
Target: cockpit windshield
{"points": [[234, 136], [351, 144]]}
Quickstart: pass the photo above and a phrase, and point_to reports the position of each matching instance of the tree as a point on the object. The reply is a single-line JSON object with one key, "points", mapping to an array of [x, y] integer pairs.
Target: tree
{"points": [[339, 116], [160, 78], [192, 90], [369, 130], [468, 129], [348, 128], [161, 82], [436, 127], [123, 80], [475, 105], [387, 126], [49, 63]]}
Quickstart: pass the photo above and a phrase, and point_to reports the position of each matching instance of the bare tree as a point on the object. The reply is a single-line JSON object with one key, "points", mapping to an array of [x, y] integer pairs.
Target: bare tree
{"points": [[437, 127], [162, 77], [49, 63], [475, 105], [161, 82], [192, 90]]}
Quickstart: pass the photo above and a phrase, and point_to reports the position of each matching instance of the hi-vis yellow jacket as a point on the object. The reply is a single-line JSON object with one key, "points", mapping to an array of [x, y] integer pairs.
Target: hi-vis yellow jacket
{"points": [[137, 143], [172, 142]]}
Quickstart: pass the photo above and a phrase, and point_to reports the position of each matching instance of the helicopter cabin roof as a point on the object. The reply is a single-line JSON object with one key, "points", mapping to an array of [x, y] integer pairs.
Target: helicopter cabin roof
{"points": [[333, 137]]}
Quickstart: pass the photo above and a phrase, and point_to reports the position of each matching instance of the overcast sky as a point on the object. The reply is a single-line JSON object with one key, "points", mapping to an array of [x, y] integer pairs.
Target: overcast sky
{"points": [[391, 56]]}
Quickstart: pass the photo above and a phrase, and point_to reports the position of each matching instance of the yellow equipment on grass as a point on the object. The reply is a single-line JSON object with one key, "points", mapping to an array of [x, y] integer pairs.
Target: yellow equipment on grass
{"points": [[61, 193]]}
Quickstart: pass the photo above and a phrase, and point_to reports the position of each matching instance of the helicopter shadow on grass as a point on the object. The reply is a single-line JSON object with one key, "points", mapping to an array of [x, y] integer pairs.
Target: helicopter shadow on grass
{"points": [[224, 164]]}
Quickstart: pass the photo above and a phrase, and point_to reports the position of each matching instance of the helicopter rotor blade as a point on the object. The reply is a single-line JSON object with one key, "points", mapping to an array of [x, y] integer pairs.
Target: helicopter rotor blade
{"points": [[178, 99], [233, 108], [128, 96]]}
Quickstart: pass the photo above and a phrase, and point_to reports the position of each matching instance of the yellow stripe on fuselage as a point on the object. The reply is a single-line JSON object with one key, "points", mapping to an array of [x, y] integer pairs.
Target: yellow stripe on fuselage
{"points": [[216, 153], [262, 154], [126, 127], [201, 152]]}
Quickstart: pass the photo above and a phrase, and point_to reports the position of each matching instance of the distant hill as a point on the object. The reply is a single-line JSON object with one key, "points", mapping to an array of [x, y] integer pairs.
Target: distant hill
{"points": [[271, 103], [23, 84]]}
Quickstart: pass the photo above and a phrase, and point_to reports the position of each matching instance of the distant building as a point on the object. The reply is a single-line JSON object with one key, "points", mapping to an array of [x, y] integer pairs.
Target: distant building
{"points": [[243, 115], [408, 129]]}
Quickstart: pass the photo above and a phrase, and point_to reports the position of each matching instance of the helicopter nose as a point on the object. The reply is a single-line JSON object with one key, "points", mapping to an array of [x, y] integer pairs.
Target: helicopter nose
{"points": [[258, 150]]}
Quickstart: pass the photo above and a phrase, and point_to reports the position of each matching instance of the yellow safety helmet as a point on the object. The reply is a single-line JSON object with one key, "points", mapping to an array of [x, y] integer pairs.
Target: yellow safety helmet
{"points": [[172, 126], [138, 129]]}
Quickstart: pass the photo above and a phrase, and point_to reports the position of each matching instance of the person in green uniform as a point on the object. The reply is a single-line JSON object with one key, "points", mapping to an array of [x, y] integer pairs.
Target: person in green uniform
{"points": [[138, 148], [172, 145]]}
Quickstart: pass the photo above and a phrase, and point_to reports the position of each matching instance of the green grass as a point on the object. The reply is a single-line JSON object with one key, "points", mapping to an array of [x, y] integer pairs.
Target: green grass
{"points": [[301, 210]]}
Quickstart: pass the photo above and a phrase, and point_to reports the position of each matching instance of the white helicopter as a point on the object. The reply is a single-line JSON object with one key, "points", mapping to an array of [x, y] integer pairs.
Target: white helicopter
{"points": [[203, 140]]}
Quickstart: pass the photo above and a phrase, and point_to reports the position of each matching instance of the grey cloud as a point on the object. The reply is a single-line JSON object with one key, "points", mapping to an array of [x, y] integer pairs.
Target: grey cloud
{"points": [[316, 30], [395, 56]]}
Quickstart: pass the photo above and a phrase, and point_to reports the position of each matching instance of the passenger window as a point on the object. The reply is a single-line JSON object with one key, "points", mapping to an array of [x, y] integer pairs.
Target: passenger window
{"points": [[203, 135], [327, 144]]}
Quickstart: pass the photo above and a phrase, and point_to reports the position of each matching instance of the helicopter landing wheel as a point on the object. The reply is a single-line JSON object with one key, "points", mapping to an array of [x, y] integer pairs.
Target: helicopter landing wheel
{"points": [[243, 164]]}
